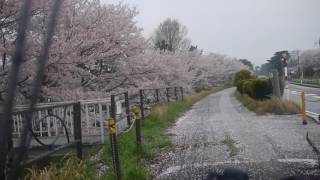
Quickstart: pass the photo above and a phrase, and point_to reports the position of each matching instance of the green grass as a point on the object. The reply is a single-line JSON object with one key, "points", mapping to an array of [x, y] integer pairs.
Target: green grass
{"points": [[68, 168], [230, 143], [63, 167], [134, 160], [273, 105]]}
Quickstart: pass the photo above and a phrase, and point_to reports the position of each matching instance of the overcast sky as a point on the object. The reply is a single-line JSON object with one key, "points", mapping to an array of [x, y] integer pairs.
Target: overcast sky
{"points": [[251, 29]]}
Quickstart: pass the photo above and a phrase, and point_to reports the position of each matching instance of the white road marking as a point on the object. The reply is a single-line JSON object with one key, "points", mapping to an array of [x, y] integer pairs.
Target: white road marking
{"points": [[310, 94], [311, 162]]}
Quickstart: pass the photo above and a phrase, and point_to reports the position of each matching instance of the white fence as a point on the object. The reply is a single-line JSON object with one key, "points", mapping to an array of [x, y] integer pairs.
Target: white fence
{"points": [[51, 119]]}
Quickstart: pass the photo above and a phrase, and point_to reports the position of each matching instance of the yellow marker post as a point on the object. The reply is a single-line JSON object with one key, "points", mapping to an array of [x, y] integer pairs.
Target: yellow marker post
{"points": [[303, 108], [111, 124], [136, 112]]}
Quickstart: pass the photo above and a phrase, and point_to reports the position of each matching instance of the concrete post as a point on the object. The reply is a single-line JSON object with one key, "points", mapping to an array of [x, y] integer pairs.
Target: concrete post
{"points": [[276, 84]]}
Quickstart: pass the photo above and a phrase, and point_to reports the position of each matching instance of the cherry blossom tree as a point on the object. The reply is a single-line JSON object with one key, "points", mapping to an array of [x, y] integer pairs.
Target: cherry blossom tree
{"points": [[9, 15], [310, 57], [90, 39], [307, 60], [97, 50]]}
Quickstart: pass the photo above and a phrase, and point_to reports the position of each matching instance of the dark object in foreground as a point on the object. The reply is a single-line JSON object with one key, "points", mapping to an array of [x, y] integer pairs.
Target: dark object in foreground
{"points": [[236, 174], [228, 174]]}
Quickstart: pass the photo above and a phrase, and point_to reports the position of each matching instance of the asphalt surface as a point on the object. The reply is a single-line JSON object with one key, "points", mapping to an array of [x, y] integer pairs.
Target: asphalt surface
{"points": [[266, 147], [292, 92]]}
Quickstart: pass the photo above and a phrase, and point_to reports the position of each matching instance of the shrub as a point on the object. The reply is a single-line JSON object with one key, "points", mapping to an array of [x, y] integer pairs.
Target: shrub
{"points": [[255, 88], [242, 75], [239, 87], [261, 88], [247, 87]]}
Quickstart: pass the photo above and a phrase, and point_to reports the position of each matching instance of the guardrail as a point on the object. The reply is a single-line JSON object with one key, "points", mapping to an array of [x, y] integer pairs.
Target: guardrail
{"points": [[306, 82]]}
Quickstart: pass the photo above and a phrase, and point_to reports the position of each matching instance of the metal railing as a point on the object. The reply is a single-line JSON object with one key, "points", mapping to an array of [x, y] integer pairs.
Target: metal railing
{"points": [[312, 82], [60, 125]]}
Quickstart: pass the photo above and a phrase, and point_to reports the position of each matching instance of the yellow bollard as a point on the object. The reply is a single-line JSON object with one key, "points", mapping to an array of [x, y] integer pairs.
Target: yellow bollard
{"points": [[303, 108], [136, 112], [111, 124]]}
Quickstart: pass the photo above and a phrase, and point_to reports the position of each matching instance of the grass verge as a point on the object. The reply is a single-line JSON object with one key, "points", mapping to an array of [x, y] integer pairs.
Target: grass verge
{"points": [[305, 84], [67, 168], [62, 167], [230, 143], [134, 160], [269, 106]]}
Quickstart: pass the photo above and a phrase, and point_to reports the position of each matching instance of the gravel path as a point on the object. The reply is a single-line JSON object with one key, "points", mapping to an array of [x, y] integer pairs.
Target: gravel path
{"points": [[218, 132]]}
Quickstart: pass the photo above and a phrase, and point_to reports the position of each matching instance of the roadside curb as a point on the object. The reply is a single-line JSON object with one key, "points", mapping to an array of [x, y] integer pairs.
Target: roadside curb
{"points": [[313, 118], [306, 85]]}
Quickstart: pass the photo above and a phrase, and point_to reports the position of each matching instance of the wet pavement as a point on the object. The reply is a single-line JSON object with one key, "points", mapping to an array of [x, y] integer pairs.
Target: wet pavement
{"points": [[218, 132], [292, 92]]}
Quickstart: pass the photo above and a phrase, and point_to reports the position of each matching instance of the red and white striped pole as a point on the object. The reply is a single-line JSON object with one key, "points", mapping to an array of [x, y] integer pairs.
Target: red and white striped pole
{"points": [[285, 65]]}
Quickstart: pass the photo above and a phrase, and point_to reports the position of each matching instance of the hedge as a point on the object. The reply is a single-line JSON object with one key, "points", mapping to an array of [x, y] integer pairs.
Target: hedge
{"points": [[255, 88], [241, 76]]}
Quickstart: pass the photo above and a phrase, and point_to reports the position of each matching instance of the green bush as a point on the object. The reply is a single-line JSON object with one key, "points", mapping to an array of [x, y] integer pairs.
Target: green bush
{"points": [[261, 88], [239, 87], [248, 87], [241, 76], [255, 88]]}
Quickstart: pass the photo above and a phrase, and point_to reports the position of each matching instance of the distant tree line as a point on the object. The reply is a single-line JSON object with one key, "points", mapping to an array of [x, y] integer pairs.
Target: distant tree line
{"points": [[302, 63], [275, 62]]}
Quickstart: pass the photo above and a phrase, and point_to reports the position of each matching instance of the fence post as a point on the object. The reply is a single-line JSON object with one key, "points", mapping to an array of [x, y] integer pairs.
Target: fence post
{"points": [[113, 138], [137, 113], [303, 108], [141, 103], [168, 95], [181, 88], [77, 128], [101, 123], [157, 95], [3, 148], [126, 97], [176, 93]]}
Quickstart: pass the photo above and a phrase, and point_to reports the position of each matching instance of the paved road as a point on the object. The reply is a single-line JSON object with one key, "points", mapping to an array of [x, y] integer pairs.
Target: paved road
{"points": [[268, 147], [312, 96]]}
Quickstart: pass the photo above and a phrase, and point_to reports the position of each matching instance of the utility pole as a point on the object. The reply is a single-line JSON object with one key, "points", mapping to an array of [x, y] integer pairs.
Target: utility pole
{"points": [[300, 69], [276, 83], [299, 66]]}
